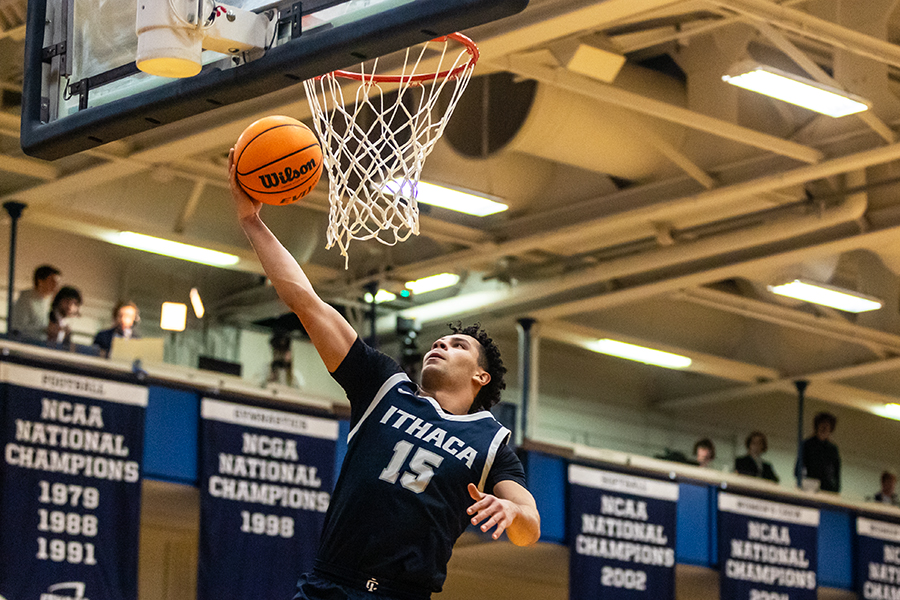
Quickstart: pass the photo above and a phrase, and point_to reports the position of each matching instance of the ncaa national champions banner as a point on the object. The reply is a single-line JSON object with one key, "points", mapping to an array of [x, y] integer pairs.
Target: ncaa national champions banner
{"points": [[266, 478], [622, 535], [877, 559], [767, 550], [70, 489]]}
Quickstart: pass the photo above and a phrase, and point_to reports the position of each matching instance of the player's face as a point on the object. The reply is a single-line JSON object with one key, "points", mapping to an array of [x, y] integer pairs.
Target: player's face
{"points": [[452, 355]]}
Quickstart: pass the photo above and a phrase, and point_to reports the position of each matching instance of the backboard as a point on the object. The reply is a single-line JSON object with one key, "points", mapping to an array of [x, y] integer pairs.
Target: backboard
{"points": [[82, 88]]}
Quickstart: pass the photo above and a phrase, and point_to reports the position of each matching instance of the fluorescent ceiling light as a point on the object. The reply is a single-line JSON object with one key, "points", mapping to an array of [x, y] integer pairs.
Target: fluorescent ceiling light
{"points": [[380, 296], [827, 295], [641, 354], [197, 303], [796, 90], [435, 195], [433, 282], [889, 411], [173, 316], [156, 245]]}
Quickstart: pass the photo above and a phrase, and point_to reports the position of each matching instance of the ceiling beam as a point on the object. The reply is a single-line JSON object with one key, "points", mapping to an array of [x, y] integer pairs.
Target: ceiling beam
{"points": [[879, 342], [821, 387], [701, 362], [664, 211], [546, 21], [810, 26], [749, 269], [679, 158], [30, 167]]}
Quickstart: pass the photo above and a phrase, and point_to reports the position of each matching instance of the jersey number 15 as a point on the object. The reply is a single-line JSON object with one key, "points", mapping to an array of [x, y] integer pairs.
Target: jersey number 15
{"points": [[421, 467]]}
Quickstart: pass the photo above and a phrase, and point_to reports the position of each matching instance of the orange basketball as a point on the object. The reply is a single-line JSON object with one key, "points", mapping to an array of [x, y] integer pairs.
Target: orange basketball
{"points": [[278, 160]]}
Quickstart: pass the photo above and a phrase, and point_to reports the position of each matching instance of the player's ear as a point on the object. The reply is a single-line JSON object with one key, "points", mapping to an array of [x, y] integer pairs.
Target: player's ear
{"points": [[482, 377]]}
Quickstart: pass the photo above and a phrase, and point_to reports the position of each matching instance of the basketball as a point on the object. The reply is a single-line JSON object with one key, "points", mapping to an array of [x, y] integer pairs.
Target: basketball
{"points": [[278, 160]]}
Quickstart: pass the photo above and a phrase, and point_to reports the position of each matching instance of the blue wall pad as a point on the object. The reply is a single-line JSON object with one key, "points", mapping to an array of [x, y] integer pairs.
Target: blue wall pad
{"points": [[835, 549], [546, 478], [170, 435], [692, 525]]}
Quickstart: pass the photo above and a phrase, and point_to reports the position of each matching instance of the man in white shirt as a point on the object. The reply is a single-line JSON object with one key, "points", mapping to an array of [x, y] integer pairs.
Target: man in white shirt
{"points": [[31, 311]]}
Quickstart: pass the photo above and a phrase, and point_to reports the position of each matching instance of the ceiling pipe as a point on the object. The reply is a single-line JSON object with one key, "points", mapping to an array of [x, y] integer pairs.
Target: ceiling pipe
{"points": [[747, 268]]}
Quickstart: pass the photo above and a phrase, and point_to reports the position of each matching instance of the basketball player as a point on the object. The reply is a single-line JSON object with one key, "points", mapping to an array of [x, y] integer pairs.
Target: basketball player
{"points": [[422, 462]]}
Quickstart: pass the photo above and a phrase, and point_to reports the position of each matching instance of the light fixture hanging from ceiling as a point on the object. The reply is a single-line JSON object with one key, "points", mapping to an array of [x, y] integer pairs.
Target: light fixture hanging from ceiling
{"points": [[795, 89], [827, 295]]}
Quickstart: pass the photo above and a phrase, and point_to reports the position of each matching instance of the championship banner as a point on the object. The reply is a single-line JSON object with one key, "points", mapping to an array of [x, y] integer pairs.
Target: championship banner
{"points": [[622, 535], [71, 490], [265, 483], [878, 559], [767, 550]]}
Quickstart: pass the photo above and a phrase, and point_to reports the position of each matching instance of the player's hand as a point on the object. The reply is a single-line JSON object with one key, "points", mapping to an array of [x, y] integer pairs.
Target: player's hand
{"points": [[245, 206], [494, 511]]}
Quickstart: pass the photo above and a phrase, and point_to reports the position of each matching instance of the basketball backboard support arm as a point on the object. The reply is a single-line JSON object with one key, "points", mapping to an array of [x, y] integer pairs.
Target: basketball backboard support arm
{"points": [[293, 57]]}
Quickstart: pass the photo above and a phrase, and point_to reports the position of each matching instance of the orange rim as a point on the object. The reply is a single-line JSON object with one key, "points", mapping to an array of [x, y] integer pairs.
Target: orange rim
{"points": [[470, 47]]}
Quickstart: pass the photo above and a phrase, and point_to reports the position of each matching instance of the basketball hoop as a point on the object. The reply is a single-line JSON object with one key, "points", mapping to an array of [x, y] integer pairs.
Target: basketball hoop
{"points": [[374, 146]]}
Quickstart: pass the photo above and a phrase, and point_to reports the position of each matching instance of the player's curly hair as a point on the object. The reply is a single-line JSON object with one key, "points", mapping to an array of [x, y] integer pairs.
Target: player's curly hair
{"points": [[489, 360]]}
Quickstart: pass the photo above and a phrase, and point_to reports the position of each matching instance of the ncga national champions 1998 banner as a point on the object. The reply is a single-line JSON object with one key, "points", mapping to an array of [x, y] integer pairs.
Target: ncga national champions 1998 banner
{"points": [[767, 550], [70, 489], [622, 536], [265, 483]]}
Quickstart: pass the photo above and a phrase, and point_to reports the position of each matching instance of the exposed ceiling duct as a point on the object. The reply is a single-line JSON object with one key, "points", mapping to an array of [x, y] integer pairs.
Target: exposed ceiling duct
{"points": [[613, 141]]}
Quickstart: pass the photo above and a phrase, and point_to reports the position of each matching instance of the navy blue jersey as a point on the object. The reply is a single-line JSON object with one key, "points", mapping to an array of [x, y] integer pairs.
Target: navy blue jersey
{"points": [[400, 501]]}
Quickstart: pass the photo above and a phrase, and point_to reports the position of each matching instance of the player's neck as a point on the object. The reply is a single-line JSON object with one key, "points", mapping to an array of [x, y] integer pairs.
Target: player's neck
{"points": [[455, 402]]}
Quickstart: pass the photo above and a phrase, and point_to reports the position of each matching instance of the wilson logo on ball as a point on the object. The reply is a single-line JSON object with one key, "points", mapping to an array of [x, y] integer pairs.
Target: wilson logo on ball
{"points": [[270, 180]]}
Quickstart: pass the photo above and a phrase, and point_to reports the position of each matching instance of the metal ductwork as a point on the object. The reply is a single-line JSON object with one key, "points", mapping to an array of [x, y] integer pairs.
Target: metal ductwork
{"points": [[500, 113]]}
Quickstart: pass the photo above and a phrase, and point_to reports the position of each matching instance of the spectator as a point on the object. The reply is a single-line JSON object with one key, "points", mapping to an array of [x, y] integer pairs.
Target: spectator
{"points": [[888, 493], [281, 369], [125, 316], [821, 459], [752, 464], [704, 452], [66, 305], [31, 309]]}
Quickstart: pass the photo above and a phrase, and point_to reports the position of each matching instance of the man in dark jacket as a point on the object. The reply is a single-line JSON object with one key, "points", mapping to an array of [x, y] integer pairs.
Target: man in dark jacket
{"points": [[752, 464], [821, 459]]}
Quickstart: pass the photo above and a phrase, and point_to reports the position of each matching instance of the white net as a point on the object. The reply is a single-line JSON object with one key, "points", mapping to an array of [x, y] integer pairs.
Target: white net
{"points": [[376, 132]]}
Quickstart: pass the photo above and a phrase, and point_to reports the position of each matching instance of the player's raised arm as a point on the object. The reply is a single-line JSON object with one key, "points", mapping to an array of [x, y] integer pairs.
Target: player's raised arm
{"points": [[330, 333]]}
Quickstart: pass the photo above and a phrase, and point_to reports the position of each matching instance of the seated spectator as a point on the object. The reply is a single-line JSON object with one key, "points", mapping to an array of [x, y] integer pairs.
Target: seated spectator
{"points": [[888, 493], [125, 317], [30, 311], [821, 459], [704, 452], [66, 305], [752, 464]]}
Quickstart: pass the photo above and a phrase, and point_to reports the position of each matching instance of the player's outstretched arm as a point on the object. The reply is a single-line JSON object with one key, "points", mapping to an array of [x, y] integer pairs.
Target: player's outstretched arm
{"points": [[330, 333], [512, 509]]}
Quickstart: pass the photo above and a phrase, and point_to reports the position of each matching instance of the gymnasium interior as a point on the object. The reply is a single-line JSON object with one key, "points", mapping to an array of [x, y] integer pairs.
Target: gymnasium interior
{"points": [[649, 202]]}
